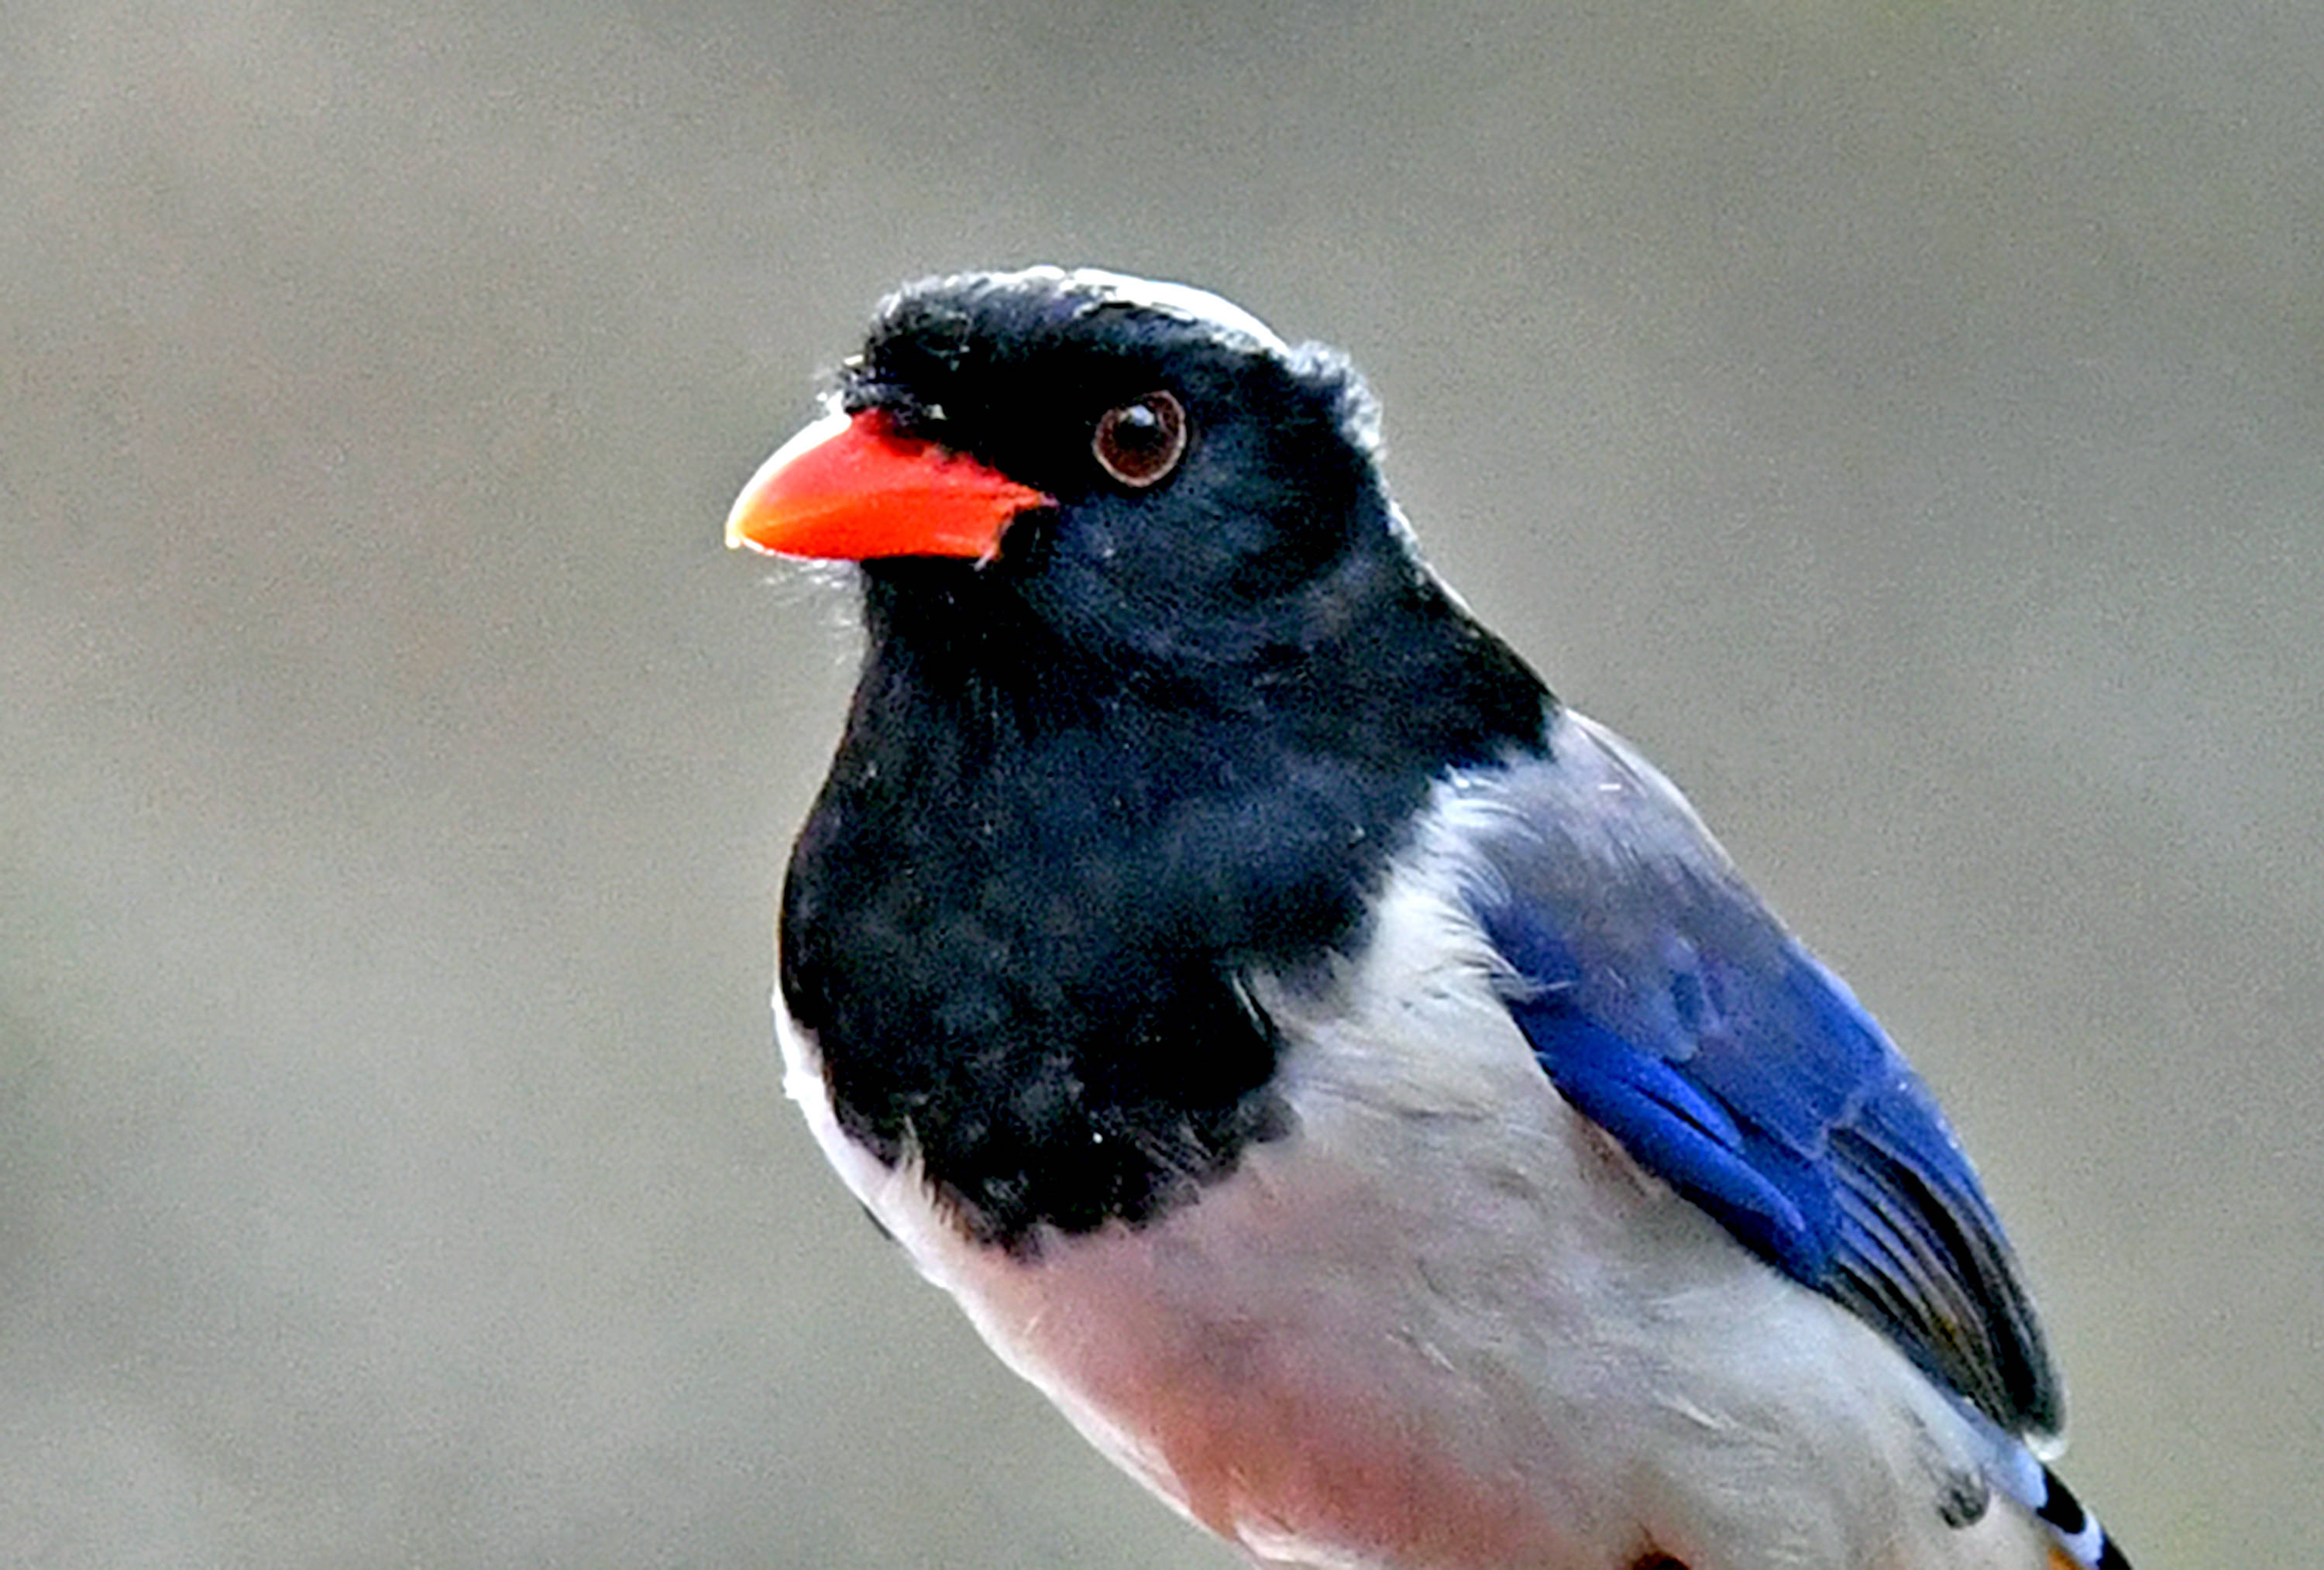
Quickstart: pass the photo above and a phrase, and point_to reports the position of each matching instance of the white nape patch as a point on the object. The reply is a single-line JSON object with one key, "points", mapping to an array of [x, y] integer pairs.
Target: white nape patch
{"points": [[1183, 300], [1443, 1325]]}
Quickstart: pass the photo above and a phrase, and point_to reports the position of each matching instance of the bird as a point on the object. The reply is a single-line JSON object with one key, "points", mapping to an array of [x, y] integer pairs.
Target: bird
{"points": [[1351, 1083]]}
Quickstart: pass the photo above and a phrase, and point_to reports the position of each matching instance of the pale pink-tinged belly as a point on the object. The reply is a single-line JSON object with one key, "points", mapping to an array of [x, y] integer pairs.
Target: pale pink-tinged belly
{"points": [[1271, 1468], [1275, 1429]]}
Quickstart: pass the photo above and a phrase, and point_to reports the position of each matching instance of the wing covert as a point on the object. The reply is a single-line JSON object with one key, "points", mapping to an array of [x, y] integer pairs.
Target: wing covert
{"points": [[1673, 1009]]}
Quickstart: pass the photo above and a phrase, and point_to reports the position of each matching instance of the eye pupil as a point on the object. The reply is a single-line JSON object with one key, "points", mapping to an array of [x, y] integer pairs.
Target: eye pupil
{"points": [[1141, 442]]}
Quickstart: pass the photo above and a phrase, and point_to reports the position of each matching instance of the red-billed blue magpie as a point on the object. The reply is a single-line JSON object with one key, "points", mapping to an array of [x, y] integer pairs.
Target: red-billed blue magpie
{"points": [[1353, 1085]]}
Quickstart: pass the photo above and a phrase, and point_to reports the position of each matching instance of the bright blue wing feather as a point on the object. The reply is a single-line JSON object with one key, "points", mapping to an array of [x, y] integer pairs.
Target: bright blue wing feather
{"points": [[1672, 1010]]}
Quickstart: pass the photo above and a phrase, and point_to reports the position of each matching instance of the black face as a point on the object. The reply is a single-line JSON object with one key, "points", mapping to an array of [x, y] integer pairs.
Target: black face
{"points": [[1169, 738], [1213, 557]]}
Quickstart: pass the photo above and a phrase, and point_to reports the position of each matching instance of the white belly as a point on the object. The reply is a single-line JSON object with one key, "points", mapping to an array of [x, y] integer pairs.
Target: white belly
{"points": [[1445, 1324]]}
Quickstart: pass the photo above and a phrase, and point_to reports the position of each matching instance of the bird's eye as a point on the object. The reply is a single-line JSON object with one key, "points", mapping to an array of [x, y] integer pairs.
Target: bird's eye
{"points": [[1141, 442]]}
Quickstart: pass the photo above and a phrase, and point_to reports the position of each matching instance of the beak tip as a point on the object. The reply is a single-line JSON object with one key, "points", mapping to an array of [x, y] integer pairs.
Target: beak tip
{"points": [[746, 519], [738, 533]]}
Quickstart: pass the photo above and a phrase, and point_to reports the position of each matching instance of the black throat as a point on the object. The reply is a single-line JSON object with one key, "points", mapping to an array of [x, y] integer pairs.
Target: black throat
{"points": [[1020, 916]]}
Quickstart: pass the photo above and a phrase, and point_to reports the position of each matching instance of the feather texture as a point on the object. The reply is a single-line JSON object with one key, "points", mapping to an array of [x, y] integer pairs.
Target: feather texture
{"points": [[1671, 1008]]}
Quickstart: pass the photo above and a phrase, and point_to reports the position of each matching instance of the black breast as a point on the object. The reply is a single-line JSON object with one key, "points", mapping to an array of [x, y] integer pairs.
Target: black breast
{"points": [[1020, 913]]}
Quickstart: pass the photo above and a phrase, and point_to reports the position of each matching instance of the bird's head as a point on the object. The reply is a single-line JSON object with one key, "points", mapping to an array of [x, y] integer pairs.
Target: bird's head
{"points": [[1141, 473]]}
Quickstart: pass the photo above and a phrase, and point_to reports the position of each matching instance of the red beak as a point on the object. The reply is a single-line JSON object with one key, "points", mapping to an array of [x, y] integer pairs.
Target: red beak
{"points": [[849, 489]]}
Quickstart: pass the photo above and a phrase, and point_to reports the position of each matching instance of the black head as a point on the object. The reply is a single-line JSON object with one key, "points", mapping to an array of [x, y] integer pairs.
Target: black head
{"points": [[1256, 544]]}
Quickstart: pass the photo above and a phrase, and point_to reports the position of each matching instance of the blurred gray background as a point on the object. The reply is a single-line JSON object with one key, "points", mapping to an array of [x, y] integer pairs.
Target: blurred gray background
{"points": [[1905, 421]]}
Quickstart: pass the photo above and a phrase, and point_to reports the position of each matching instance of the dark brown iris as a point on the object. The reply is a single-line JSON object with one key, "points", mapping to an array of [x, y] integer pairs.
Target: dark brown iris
{"points": [[1141, 442]]}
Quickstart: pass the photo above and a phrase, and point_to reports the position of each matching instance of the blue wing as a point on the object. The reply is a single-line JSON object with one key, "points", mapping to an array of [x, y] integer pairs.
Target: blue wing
{"points": [[1670, 1007]]}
